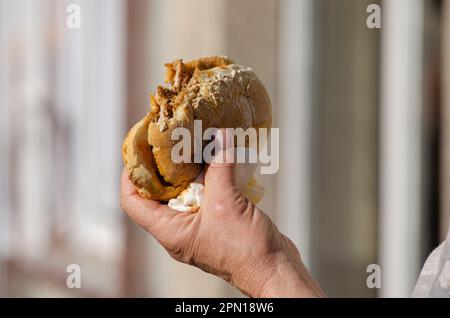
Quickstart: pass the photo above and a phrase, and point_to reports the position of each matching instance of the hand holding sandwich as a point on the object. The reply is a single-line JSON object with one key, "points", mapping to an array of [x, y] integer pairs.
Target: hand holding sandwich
{"points": [[228, 237], [225, 234]]}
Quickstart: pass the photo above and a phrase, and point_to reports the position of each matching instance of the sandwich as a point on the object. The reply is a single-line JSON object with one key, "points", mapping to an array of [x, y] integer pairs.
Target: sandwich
{"points": [[215, 90]]}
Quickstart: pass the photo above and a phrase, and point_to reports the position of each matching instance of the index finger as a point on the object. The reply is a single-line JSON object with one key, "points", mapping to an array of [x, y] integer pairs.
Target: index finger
{"points": [[146, 213]]}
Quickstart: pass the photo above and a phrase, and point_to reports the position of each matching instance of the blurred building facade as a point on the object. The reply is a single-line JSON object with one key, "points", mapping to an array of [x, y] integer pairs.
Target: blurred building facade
{"points": [[364, 141]]}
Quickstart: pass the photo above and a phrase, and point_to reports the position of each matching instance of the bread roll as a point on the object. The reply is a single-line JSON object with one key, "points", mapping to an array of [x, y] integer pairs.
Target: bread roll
{"points": [[213, 89]]}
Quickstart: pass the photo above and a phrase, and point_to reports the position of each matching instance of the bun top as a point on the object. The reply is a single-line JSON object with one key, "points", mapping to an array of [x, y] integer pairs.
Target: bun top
{"points": [[216, 90]]}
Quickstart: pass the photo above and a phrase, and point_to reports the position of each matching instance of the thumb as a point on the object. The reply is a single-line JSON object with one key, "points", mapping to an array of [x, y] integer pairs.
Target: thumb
{"points": [[219, 175]]}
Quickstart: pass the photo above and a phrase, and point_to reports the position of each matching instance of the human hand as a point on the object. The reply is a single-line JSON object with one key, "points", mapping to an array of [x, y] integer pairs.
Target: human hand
{"points": [[228, 237]]}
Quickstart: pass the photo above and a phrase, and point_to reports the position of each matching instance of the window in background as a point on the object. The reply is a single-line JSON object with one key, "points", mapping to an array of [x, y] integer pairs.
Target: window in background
{"points": [[62, 105]]}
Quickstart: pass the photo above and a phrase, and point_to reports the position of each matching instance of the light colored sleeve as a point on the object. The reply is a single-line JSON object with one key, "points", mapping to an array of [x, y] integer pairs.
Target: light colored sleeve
{"points": [[434, 279]]}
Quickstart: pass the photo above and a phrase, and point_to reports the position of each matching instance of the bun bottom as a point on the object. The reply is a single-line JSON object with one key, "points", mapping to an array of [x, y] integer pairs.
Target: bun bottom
{"points": [[140, 162]]}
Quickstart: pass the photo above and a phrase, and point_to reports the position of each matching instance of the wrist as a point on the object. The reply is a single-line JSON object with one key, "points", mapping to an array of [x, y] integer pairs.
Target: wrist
{"points": [[291, 279], [278, 275]]}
